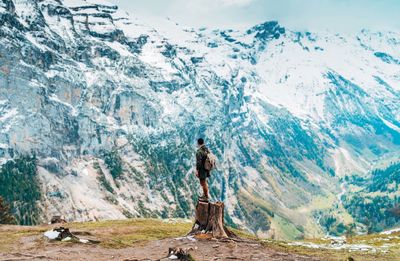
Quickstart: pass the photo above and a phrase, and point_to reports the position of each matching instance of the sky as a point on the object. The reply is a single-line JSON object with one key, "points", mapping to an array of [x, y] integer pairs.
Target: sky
{"points": [[313, 15]]}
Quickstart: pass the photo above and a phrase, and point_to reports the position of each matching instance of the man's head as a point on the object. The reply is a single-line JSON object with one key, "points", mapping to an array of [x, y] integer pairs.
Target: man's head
{"points": [[200, 142]]}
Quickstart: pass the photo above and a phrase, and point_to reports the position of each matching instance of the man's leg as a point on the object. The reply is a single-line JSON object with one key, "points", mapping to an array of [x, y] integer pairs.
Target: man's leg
{"points": [[204, 185]]}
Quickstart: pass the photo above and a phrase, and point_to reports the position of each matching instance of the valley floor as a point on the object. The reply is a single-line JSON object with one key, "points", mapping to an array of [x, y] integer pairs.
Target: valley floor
{"points": [[148, 239]]}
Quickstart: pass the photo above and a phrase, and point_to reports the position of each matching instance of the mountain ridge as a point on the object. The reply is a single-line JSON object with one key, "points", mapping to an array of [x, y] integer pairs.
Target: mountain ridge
{"points": [[286, 117]]}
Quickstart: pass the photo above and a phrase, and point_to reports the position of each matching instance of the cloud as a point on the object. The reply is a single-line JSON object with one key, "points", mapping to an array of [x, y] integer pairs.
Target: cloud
{"points": [[310, 15], [235, 2]]}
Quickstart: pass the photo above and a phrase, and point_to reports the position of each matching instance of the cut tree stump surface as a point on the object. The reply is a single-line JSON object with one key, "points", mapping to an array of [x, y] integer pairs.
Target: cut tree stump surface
{"points": [[210, 219]]}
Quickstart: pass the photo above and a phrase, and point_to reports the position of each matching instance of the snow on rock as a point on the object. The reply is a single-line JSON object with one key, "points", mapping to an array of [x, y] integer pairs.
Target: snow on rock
{"points": [[389, 232], [287, 113], [350, 247]]}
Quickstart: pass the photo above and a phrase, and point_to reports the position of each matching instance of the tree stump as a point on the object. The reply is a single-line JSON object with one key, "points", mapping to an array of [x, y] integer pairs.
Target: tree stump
{"points": [[57, 219], [210, 219]]}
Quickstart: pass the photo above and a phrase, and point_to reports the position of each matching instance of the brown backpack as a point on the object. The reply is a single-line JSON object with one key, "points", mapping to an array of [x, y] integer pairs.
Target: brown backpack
{"points": [[210, 161]]}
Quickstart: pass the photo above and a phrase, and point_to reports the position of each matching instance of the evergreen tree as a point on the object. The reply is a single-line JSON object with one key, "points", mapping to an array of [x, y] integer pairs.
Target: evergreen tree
{"points": [[19, 187], [5, 213]]}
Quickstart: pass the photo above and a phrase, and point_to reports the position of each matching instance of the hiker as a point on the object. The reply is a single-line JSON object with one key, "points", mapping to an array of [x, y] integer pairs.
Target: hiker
{"points": [[205, 162]]}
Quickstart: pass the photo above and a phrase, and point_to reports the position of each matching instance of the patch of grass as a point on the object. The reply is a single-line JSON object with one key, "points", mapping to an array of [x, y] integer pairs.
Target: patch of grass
{"points": [[125, 233], [284, 229], [111, 234], [328, 254], [374, 240], [244, 234], [11, 235], [255, 210]]}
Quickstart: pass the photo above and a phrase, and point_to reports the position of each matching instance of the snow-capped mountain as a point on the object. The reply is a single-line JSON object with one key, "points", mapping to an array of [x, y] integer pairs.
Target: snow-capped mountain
{"points": [[111, 107]]}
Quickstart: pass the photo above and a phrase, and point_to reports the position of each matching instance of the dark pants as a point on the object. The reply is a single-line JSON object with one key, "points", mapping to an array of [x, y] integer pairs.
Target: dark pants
{"points": [[204, 185]]}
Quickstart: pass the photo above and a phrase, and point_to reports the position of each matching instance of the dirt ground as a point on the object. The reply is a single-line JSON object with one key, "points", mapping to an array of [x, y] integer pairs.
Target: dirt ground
{"points": [[37, 248], [150, 239]]}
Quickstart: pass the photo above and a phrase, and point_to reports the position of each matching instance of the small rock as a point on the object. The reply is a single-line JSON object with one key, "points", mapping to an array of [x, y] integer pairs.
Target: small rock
{"points": [[51, 234], [63, 234], [66, 239], [175, 253]]}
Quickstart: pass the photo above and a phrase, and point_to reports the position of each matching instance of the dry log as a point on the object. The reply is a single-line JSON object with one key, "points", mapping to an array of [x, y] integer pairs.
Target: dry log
{"points": [[216, 220], [202, 214], [210, 219]]}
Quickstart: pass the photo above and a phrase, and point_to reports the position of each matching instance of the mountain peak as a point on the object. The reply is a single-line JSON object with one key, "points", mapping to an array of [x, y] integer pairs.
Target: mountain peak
{"points": [[267, 30]]}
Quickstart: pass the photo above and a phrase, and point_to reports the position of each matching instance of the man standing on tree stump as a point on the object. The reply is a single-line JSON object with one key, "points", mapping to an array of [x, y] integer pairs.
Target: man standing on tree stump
{"points": [[201, 172]]}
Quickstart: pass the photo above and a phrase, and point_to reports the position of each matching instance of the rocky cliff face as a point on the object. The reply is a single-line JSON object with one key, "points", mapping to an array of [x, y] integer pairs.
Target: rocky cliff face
{"points": [[112, 107]]}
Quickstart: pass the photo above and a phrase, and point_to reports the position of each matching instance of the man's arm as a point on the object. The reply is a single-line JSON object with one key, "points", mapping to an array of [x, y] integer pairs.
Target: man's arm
{"points": [[198, 164], [198, 160]]}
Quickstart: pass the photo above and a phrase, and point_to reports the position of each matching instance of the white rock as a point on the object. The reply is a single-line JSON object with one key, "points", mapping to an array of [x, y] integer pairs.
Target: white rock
{"points": [[51, 234]]}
